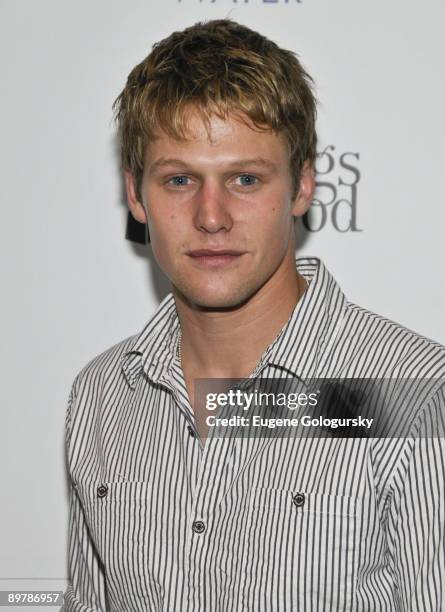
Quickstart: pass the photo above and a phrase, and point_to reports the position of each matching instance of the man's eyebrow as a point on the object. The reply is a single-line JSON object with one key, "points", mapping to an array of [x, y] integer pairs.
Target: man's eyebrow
{"points": [[162, 161], [254, 161]]}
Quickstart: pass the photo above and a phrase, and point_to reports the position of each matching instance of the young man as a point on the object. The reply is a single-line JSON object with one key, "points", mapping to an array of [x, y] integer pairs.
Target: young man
{"points": [[218, 138]]}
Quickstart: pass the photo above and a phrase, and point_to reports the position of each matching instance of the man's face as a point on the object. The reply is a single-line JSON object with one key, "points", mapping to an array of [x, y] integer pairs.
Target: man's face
{"points": [[219, 210]]}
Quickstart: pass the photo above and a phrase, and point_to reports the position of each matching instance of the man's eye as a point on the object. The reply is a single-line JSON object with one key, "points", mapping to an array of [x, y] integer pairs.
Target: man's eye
{"points": [[245, 180], [178, 181]]}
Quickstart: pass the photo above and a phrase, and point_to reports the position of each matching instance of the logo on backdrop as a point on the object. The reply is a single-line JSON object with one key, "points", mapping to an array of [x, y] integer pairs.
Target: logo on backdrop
{"points": [[335, 201]]}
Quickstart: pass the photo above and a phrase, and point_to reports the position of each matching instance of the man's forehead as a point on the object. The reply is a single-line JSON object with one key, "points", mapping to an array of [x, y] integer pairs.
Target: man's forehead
{"points": [[200, 125], [234, 136]]}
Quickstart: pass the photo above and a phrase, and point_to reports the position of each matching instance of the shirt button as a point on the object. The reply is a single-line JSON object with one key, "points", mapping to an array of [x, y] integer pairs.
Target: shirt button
{"points": [[191, 431], [102, 491], [298, 500], [198, 526]]}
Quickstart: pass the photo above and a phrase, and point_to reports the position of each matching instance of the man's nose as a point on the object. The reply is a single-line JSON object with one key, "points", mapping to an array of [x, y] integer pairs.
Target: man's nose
{"points": [[212, 208]]}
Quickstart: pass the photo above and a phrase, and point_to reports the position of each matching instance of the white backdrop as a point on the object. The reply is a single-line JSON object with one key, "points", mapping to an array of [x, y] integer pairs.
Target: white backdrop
{"points": [[72, 285]]}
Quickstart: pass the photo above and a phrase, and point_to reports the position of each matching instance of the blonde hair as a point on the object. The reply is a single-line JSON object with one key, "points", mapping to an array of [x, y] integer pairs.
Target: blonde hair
{"points": [[217, 67]]}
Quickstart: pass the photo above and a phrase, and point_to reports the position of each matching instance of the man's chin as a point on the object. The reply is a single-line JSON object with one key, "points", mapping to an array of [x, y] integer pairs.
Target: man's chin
{"points": [[214, 300]]}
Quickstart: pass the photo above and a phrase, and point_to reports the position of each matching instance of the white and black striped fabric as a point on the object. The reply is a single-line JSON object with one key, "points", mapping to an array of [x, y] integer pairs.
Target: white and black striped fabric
{"points": [[160, 523]]}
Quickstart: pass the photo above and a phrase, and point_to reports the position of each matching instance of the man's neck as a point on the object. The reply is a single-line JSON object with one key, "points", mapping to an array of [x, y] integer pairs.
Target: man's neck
{"points": [[229, 343]]}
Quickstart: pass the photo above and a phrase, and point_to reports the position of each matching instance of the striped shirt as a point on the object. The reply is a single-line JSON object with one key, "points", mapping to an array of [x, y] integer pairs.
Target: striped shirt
{"points": [[159, 521]]}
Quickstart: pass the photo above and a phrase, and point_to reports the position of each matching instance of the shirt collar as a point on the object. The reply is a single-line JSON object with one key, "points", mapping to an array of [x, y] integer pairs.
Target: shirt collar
{"points": [[153, 350], [301, 347]]}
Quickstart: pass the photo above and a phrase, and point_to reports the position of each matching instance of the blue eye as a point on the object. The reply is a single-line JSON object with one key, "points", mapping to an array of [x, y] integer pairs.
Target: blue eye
{"points": [[178, 181], [247, 179]]}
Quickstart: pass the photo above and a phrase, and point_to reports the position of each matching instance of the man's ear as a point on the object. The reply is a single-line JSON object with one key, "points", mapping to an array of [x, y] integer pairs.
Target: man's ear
{"points": [[305, 193], [134, 204]]}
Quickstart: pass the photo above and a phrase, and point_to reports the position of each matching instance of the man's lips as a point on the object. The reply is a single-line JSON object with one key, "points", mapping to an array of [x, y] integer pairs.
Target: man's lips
{"points": [[214, 257]]}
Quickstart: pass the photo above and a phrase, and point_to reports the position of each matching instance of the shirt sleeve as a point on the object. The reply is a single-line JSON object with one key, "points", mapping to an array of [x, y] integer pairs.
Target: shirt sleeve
{"points": [[86, 578], [416, 517]]}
